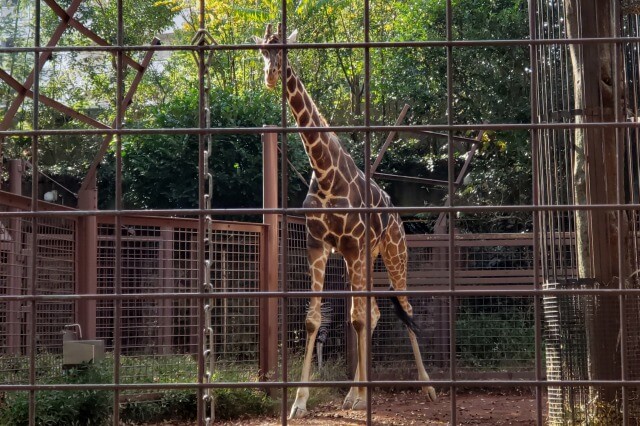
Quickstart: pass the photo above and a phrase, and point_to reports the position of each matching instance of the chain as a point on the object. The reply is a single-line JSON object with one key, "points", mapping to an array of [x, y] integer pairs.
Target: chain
{"points": [[203, 38]]}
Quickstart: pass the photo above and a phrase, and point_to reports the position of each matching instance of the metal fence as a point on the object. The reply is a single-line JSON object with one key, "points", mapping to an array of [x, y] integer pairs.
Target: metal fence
{"points": [[157, 256], [469, 290]]}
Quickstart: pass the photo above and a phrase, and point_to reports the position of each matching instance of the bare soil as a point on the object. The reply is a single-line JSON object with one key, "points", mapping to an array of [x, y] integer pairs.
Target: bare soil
{"points": [[404, 408]]}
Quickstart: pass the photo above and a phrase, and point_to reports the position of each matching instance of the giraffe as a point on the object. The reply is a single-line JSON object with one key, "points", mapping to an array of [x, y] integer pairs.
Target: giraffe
{"points": [[336, 181]]}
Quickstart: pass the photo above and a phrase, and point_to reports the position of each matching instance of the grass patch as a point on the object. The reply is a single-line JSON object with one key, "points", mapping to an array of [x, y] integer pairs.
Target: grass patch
{"points": [[94, 407], [332, 370]]}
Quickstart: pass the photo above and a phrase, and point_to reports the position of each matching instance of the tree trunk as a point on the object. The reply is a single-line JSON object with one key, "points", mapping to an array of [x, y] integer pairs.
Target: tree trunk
{"points": [[595, 182]]}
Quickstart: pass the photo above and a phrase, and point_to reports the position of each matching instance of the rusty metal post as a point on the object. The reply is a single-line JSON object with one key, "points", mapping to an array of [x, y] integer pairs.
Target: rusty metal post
{"points": [[15, 261], [269, 306], [87, 261]]}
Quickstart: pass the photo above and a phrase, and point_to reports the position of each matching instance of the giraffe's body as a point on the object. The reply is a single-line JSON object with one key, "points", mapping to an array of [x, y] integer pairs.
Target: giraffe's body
{"points": [[337, 182]]}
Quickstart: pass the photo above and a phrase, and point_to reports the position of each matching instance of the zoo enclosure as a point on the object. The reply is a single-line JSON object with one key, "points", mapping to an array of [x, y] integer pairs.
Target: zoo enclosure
{"points": [[546, 126]]}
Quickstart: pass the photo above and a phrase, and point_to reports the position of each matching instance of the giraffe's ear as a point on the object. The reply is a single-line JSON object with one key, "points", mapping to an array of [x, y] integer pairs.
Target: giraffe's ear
{"points": [[293, 37], [257, 39], [267, 31]]}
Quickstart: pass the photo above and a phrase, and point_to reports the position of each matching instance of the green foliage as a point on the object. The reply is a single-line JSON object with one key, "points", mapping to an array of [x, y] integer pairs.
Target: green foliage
{"points": [[94, 407], [181, 404], [72, 407], [490, 84], [494, 336], [161, 171]]}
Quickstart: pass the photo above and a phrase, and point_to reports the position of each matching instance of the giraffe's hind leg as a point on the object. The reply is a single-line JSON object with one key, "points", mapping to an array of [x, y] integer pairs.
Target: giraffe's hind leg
{"points": [[394, 255]]}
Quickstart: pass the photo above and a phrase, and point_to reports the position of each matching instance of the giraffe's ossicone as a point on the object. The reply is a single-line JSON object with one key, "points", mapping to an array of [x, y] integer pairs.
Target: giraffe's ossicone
{"points": [[337, 182]]}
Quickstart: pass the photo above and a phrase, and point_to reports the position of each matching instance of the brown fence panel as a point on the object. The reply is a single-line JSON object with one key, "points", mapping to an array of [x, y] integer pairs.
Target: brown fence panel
{"points": [[55, 262]]}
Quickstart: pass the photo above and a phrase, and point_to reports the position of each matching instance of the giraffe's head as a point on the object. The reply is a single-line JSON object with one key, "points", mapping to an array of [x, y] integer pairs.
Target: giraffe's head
{"points": [[273, 56]]}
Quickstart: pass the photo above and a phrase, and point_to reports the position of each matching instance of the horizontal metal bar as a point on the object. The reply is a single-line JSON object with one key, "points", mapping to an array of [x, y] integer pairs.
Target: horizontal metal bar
{"points": [[337, 45], [328, 129], [457, 291], [328, 383], [411, 179], [302, 211], [454, 137]]}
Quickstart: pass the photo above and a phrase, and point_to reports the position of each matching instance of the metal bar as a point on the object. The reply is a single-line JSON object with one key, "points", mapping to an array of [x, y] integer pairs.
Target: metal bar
{"points": [[483, 383], [15, 85], [269, 252], [203, 279], [451, 222], [328, 129], [454, 137], [65, 17], [367, 219], [118, 279], [388, 141], [342, 45], [32, 318], [537, 314], [302, 211], [467, 162], [411, 179], [42, 60], [121, 107]]}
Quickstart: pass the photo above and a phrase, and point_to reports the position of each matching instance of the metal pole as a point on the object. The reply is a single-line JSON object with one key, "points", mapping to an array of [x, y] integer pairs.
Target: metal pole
{"points": [[269, 307]]}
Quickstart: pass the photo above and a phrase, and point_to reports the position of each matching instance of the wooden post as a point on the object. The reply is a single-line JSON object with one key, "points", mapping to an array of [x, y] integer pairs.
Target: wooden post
{"points": [[269, 281], [87, 261], [15, 261]]}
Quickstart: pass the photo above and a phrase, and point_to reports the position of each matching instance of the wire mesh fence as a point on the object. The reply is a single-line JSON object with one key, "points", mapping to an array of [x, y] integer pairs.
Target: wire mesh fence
{"points": [[149, 298]]}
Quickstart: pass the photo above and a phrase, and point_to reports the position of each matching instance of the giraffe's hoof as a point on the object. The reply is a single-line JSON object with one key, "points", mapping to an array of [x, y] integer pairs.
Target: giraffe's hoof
{"points": [[297, 412], [430, 392], [359, 404], [348, 403]]}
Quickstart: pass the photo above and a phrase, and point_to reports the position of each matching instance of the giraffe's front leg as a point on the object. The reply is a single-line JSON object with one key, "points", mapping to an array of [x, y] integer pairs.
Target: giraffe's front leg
{"points": [[356, 399], [351, 397], [318, 254]]}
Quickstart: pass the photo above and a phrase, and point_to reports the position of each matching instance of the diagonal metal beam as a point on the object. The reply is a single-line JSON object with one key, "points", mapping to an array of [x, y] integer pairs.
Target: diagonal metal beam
{"points": [[44, 56], [15, 85], [62, 14], [386, 144], [89, 178], [463, 171]]}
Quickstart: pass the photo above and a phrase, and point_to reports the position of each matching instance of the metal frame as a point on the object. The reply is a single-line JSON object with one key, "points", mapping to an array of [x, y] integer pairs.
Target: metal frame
{"points": [[452, 292]]}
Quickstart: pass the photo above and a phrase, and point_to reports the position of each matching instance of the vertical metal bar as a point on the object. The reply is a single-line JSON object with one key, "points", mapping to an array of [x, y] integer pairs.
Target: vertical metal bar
{"points": [[34, 221], [451, 195], [367, 203], [269, 255], [117, 322], [535, 190], [620, 198], [202, 279], [284, 232]]}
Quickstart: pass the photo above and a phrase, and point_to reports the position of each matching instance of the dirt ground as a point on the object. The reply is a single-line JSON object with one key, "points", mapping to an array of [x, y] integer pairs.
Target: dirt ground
{"points": [[404, 408]]}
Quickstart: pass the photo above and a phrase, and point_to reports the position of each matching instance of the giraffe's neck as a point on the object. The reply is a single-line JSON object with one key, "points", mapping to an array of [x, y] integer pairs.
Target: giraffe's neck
{"points": [[323, 148]]}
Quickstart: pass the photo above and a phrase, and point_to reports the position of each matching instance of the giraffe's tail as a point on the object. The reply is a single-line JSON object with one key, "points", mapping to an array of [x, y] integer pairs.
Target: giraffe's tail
{"points": [[403, 315]]}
